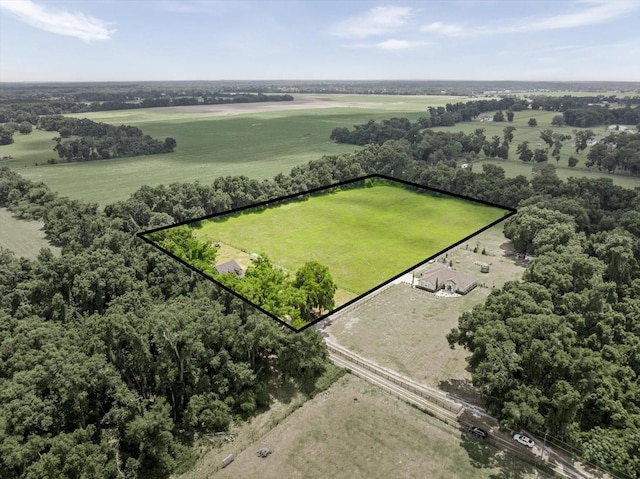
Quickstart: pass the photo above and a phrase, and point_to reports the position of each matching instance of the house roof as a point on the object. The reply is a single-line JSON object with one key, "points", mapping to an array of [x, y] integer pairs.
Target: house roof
{"points": [[230, 267], [444, 274]]}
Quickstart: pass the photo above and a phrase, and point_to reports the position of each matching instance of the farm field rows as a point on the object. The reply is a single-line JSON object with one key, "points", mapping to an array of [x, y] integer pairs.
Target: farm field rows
{"points": [[365, 236], [356, 430]]}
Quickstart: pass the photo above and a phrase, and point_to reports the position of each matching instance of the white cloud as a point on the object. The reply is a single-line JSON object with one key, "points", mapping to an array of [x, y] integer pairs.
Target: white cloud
{"points": [[393, 44], [443, 28], [61, 22], [377, 21], [597, 11]]}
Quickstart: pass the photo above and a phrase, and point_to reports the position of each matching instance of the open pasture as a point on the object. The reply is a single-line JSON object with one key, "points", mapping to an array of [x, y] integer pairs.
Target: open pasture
{"points": [[514, 166], [24, 238], [356, 430], [364, 236]]}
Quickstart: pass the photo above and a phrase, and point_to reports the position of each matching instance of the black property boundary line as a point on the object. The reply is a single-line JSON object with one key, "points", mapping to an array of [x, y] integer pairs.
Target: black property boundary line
{"points": [[141, 235]]}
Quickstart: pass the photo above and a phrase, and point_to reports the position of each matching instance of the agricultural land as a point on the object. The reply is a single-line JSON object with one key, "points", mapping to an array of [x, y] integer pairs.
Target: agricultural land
{"points": [[255, 140]]}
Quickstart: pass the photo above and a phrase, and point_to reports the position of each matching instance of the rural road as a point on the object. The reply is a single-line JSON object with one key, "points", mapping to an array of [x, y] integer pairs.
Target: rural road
{"points": [[452, 411]]}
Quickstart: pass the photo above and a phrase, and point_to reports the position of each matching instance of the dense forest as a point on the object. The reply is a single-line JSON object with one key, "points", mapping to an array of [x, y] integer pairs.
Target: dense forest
{"points": [[113, 357]]}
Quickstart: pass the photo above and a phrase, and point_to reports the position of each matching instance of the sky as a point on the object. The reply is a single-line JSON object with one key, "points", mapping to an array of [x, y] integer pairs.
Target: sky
{"points": [[142, 40]]}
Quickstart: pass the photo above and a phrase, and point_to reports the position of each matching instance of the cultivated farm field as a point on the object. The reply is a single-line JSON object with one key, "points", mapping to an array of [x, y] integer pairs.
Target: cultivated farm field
{"points": [[365, 236], [257, 140], [355, 430]]}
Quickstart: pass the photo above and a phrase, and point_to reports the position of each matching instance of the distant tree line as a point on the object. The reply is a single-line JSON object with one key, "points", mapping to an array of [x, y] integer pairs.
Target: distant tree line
{"points": [[100, 141], [30, 111], [106, 91]]}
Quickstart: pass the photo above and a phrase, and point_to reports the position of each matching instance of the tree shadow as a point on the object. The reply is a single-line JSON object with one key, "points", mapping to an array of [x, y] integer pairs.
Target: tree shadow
{"points": [[282, 391], [484, 454], [461, 389]]}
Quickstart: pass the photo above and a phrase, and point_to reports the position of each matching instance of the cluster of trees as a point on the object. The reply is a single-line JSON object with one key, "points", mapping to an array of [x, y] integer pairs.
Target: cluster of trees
{"points": [[7, 130], [294, 300], [616, 153], [114, 357], [599, 115], [590, 111], [558, 351], [555, 142], [449, 115], [100, 141]]}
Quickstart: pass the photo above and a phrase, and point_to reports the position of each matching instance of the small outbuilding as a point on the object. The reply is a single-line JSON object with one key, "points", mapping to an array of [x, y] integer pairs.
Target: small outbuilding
{"points": [[230, 267]]}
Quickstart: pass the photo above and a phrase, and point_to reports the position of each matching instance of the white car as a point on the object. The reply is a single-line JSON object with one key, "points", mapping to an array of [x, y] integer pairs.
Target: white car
{"points": [[524, 440]]}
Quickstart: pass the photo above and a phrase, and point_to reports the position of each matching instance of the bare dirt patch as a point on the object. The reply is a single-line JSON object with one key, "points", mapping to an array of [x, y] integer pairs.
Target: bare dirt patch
{"points": [[310, 101], [355, 430]]}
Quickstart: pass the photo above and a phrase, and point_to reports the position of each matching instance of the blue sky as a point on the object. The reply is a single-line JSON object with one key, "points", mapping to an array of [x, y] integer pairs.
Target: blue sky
{"points": [[122, 40]]}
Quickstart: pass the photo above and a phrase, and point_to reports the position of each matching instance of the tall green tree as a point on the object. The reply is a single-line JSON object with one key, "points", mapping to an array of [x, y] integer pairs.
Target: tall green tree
{"points": [[315, 280]]}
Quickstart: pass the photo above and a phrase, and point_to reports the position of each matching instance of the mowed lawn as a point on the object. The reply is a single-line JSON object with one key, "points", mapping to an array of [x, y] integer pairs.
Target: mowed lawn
{"points": [[364, 236]]}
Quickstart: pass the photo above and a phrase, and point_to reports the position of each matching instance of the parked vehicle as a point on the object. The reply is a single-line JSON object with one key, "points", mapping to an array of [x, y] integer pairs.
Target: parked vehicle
{"points": [[524, 440], [481, 433]]}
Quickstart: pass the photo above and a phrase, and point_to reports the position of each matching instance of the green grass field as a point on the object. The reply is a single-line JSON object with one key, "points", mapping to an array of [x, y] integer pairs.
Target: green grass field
{"points": [[258, 141], [364, 236], [513, 166], [24, 238], [257, 145]]}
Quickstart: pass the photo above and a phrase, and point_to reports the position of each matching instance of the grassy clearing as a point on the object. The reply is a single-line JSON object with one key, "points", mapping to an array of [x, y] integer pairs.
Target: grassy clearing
{"points": [[364, 236], [404, 328], [376, 435], [24, 238], [513, 166]]}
